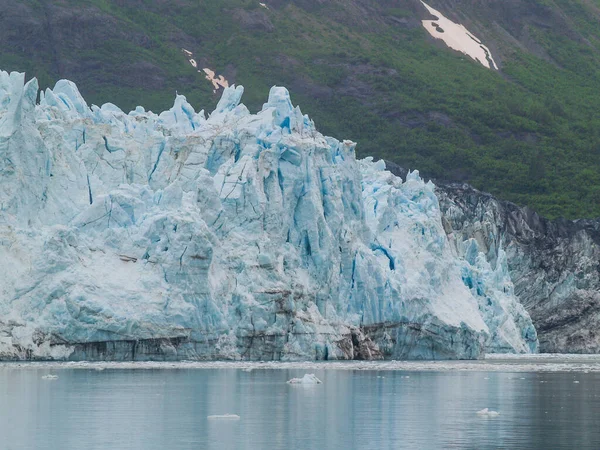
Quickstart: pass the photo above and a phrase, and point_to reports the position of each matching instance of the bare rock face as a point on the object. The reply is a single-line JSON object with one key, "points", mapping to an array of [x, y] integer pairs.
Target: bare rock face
{"points": [[554, 265], [358, 346]]}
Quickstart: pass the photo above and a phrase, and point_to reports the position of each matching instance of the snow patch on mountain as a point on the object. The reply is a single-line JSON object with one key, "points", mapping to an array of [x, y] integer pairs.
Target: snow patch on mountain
{"points": [[217, 81], [458, 38]]}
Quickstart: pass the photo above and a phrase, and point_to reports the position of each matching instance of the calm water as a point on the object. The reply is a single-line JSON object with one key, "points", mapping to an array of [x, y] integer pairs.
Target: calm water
{"points": [[352, 409]]}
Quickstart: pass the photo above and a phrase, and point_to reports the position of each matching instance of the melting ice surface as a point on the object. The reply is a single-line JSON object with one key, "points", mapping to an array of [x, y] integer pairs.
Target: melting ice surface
{"points": [[457, 37], [238, 236]]}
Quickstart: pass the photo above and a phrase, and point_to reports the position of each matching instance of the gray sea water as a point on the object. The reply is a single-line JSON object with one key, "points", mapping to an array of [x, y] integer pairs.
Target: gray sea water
{"points": [[159, 408]]}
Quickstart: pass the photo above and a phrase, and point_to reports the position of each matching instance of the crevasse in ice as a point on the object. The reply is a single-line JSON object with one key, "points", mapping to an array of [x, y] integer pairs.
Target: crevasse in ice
{"points": [[237, 236]]}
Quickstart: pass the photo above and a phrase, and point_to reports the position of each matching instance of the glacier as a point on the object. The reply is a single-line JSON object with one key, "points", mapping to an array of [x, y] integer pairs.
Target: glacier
{"points": [[237, 236]]}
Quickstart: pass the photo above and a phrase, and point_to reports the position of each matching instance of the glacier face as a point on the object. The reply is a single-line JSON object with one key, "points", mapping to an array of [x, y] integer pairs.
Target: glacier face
{"points": [[237, 236]]}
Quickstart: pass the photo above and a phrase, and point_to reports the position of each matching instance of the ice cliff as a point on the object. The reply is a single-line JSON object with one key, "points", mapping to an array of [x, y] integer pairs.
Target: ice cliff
{"points": [[555, 265], [237, 236]]}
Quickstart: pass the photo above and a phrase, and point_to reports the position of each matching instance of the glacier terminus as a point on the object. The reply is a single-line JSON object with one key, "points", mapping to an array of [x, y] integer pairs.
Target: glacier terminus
{"points": [[234, 236]]}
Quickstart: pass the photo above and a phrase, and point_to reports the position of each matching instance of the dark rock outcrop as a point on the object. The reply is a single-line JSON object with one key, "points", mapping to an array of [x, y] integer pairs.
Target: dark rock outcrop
{"points": [[554, 265]]}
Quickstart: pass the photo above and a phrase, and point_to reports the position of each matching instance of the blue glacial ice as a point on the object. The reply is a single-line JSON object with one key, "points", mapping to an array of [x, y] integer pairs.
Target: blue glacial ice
{"points": [[237, 236]]}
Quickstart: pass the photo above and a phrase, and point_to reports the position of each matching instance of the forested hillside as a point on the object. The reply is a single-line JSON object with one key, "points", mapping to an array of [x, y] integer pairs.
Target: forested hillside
{"points": [[365, 70]]}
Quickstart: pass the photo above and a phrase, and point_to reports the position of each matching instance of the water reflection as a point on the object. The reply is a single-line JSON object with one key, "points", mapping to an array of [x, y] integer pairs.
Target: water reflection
{"points": [[168, 409]]}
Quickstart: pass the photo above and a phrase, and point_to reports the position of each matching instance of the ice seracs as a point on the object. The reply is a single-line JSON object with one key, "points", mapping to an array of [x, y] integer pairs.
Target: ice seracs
{"points": [[238, 236]]}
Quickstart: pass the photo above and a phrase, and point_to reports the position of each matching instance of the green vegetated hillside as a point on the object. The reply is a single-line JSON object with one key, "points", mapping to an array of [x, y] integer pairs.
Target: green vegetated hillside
{"points": [[365, 70]]}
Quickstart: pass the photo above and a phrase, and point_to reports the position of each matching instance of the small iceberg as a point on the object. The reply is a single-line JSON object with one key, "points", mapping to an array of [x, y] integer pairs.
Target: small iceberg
{"points": [[50, 377], [487, 413], [224, 416], [308, 378]]}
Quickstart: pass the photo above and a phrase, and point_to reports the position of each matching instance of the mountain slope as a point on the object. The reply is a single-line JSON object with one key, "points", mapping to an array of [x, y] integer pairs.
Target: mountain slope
{"points": [[366, 70]]}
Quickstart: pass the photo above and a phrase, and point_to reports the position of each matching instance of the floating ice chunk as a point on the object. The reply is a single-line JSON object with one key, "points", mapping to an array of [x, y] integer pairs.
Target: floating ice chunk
{"points": [[485, 412], [308, 378], [50, 377], [224, 417], [576, 382]]}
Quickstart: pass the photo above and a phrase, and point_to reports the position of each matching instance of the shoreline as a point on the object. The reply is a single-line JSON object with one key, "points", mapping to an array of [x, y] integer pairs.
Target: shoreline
{"points": [[491, 363]]}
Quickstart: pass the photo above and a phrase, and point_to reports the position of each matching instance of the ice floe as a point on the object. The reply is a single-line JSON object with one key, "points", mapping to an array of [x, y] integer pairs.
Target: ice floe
{"points": [[308, 378], [224, 417], [485, 412]]}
